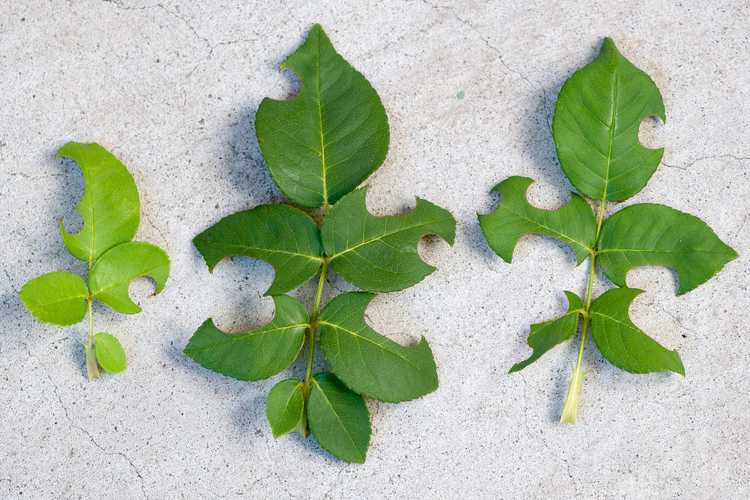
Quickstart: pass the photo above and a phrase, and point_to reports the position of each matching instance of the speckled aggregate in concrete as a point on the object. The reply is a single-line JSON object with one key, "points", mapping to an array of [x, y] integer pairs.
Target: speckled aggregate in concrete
{"points": [[469, 87]]}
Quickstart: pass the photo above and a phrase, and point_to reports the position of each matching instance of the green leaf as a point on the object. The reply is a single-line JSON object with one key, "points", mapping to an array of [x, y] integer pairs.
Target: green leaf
{"points": [[338, 419], [621, 342], [58, 298], [379, 254], [598, 114], [514, 218], [110, 208], [285, 237], [544, 336], [113, 272], [254, 354], [109, 353], [285, 406], [329, 138], [369, 363], [656, 235]]}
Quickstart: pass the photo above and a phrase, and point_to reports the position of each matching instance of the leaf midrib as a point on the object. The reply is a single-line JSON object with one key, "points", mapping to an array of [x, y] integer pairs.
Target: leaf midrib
{"points": [[357, 335], [237, 337]]}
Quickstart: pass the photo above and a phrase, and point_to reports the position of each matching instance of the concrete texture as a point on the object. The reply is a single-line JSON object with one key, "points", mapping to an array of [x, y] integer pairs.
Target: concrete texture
{"points": [[469, 87]]}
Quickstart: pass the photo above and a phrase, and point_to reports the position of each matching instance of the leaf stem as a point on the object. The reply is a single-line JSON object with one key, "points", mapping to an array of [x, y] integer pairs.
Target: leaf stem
{"points": [[310, 335], [92, 369]]}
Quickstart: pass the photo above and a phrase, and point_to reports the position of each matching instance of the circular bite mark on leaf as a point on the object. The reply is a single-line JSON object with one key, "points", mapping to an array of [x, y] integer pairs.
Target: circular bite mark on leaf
{"points": [[109, 353]]}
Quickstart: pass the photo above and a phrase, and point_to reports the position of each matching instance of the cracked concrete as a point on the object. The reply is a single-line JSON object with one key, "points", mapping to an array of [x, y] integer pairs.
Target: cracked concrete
{"points": [[171, 87]]}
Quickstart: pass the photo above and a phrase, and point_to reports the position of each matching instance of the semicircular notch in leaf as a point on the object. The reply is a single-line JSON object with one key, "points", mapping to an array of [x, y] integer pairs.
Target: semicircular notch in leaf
{"points": [[285, 406], [254, 354], [515, 217], [338, 418], [649, 234], [283, 236], [109, 353], [113, 272], [369, 363], [328, 139], [110, 207], [58, 298], [379, 254], [621, 342], [597, 117]]}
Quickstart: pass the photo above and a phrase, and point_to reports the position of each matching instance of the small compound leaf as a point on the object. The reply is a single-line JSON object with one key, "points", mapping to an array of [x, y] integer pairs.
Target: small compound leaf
{"points": [[338, 419], [285, 406], [597, 117], [109, 353], [58, 298], [544, 336], [255, 354], [328, 139], [283, 236], [369, 363], [621, 342], [110, 207], [514, 218], [379, 254], [656, 235], [113, 272]]}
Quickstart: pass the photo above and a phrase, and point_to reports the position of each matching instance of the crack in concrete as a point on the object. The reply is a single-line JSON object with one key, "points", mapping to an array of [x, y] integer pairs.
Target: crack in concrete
{"points": [[689, 164]]}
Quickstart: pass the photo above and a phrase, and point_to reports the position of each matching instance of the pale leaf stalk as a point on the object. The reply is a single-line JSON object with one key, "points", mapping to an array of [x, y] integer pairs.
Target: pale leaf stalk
{"points": [[92, 368], [310, 336]]}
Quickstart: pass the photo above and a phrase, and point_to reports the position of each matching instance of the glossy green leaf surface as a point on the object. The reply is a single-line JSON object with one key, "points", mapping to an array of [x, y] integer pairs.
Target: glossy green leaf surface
{"points": [[110, 207], [368, 362], [379, 254], [285, 406], [338, 418], [283, 236], [109, 353], [597, 117], [254, 354], [330, 137], [58, 298], [515, 217], [113, 272], [621, 342], [656, 235], [544, 336]]}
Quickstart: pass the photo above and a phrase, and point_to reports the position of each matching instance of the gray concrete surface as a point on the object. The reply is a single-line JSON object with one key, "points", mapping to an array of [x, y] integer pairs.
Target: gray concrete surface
{"points": [[469, 86]]}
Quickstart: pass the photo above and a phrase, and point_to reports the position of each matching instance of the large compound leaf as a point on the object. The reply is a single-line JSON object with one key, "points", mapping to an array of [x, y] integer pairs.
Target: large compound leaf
{"points": [[598, 114], [338, 419], [110, 208], [369, 363], [285, 406], [113, 272], [656, 235], [328, 139], [255, 354], [109, 353], [285, 237], [514, 218], [379, 254], [544, 336], [58, 298], [624, 344]]}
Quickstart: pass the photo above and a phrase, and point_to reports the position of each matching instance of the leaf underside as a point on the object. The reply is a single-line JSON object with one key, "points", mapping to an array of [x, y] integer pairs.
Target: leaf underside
{"points": [[109, 353], [285, 406], [58, 298], [597, 118], [329, 138], [515, 217], [369, 363], [379, 254]]}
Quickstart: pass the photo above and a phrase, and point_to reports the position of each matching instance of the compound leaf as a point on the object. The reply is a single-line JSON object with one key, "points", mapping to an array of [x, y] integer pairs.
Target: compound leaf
{"points": [[544, 336], [110, 207], [329, 138], [58, 298], [338, 418], [285, 406], [650, 234], [379, 254], [624, 344], [514, 218], [109, 353], [254, 354], [369, 363], [597, 117], [113, 272], [285, 237]]}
